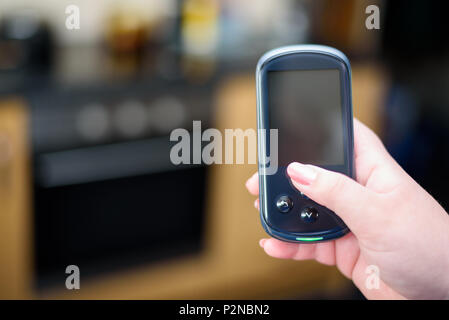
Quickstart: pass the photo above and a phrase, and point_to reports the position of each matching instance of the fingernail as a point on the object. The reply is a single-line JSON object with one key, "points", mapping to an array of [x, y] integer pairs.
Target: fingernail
{"points": [[262, 242], [301, 174]]}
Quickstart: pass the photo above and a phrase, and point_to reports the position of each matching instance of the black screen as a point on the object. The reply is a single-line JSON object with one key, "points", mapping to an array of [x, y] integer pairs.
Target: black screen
{"points": [[305, 107]]}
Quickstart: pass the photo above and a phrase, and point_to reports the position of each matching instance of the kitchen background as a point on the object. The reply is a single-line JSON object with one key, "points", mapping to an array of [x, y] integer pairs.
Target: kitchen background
{"points": [[85, 118]]}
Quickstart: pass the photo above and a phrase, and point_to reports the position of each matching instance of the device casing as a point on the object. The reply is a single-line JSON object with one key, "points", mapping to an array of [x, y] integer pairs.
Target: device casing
{"points": [[325, 57]]}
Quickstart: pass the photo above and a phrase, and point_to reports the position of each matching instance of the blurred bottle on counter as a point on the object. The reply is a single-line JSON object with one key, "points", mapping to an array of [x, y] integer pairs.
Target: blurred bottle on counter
{"points": [[199, 38], [136, 35], [127, 31]]}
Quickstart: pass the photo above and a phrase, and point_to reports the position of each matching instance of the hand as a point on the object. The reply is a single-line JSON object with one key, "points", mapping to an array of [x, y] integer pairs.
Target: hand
{"points": [[396, 225]]}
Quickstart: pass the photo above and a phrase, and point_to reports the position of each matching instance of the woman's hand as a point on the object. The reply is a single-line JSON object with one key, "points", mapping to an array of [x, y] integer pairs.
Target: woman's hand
{"points": [[396, 225]]}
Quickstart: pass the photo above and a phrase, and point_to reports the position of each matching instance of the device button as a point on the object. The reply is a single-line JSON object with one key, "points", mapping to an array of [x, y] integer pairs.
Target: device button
{"points": [[309, 215], [284, 204]]}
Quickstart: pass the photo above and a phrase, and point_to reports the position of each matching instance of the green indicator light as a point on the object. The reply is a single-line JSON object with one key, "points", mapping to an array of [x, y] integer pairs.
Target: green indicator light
{"points": [[310, 239]]}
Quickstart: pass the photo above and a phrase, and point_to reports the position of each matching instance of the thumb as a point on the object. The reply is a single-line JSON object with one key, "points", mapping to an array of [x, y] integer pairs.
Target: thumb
{"points": [[352, 202]]}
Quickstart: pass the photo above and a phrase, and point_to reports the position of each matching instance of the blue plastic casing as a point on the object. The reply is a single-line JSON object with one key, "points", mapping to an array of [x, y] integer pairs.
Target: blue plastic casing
{"points": [[289, 227]]}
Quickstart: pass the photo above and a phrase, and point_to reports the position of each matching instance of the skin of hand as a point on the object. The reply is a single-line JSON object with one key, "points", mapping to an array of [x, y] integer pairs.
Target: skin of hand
{"points": [[395, 224]]}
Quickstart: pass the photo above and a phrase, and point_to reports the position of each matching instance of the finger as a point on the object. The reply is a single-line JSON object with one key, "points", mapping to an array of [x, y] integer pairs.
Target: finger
{"points": [[371, 159], [369, 152], [337, 192], [347, 251], [256, 203], [322, 252], [325, 253], [252, 184]]}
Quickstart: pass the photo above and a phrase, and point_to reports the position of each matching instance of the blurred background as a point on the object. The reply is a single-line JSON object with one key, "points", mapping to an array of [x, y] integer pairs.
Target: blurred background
{"points": [[85, 118]]}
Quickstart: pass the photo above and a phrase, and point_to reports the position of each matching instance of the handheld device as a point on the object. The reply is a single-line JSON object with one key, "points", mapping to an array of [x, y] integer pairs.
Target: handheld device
{"points": [[303, 91]]}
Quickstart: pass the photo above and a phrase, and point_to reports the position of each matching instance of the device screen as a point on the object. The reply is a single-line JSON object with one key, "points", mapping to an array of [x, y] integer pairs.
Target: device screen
{"points": [[305, 107]]}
